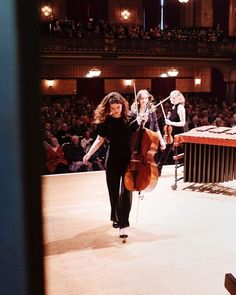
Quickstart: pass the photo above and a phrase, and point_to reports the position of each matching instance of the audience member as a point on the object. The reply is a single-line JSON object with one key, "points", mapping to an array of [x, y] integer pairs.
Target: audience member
{"points": [[110, 31], [55, 160], [63, 135], [78, 129], [47, 139], [74, 153], [86, 141], [77, 115]]}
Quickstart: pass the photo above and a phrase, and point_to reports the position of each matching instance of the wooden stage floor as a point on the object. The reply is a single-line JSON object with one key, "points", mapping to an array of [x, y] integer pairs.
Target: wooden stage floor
{"points": [[181, 242]]}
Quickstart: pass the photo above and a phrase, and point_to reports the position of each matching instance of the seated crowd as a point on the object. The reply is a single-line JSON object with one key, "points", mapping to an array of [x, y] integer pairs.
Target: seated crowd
{"points": [[104, 29], [68, 130]]}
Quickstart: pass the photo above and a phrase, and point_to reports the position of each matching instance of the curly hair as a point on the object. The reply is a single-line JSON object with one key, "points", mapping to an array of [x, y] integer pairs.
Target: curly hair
{"points": [[103, 109]]}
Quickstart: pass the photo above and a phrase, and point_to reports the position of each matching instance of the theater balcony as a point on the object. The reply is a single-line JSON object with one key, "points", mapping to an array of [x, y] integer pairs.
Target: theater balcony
{"points": [[136, 48]]}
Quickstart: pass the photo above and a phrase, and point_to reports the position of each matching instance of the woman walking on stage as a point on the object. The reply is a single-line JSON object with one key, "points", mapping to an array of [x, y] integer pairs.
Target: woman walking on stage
{"points": [[112, 115], [176, 120]]}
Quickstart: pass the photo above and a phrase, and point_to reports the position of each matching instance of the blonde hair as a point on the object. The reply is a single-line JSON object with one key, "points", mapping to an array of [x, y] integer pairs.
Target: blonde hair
{"points": [[103, 109], [179, 95]]}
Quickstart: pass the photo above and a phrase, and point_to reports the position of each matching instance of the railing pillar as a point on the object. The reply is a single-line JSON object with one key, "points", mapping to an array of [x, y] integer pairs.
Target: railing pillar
{"points": [[230, 92]]}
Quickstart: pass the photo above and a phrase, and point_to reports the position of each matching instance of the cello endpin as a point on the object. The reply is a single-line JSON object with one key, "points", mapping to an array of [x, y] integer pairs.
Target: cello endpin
{"points": [[141, 196]]}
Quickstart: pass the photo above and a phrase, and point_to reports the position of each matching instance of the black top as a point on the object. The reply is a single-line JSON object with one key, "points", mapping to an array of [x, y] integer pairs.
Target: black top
{"points": [[175, 118], [118, 133], [74, 152], [152, 122]]}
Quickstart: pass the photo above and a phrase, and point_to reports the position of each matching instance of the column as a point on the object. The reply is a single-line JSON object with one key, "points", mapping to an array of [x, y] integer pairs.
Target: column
{"points": [[230, 92]]}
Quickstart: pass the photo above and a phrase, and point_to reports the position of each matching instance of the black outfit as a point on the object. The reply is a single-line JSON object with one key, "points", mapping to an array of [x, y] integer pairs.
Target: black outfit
{"points": [[63, 136], [152, 122], [75, 153], [78, 130], [175, 130], [118, 133], [191, 125]]}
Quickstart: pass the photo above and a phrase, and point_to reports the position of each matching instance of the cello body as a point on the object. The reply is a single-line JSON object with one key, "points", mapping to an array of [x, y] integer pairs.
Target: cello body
{"points": [[142, 173], [167, 131], [168, 138]]}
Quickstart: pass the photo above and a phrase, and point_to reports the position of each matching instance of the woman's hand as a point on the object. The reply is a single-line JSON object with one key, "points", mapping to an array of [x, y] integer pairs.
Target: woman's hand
{"points": [[162, 145], [86, 158], [168, 122], [142, 118]]}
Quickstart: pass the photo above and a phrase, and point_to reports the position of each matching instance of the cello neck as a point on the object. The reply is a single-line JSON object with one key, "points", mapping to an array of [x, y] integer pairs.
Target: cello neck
{"points": [[137, 146]]}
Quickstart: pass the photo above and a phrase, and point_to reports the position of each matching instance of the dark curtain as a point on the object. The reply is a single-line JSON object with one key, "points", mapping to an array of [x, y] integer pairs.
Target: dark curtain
{"points": [[77, 10], [151, 13], [22, 246], [161, 87], [218, 85], [93, 88], [221, 19], [98, 10], [83, 10], [172, 14]]}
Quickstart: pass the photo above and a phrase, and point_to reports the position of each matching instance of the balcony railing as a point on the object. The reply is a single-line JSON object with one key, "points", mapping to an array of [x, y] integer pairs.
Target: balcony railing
{"points": [[138, 47]]}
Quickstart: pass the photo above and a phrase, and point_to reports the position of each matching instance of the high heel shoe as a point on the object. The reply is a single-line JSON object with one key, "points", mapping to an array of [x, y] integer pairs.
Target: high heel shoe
{"points": [[115, 224], [123, 234]]}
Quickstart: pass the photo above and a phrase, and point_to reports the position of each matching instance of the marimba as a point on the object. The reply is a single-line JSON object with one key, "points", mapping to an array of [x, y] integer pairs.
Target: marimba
{"points": [[209, 154]]}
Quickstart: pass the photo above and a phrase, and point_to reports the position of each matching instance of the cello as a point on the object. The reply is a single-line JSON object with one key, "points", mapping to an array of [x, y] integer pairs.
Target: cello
{"points": [[142, 173]]}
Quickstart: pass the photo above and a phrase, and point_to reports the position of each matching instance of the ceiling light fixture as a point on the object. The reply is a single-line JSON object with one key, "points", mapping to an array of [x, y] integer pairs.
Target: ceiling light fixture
{"points": [[46, 10], [125, 14], [88, 75], [163, 75], [172, 72], [183, 1], [128, 82], [50, 83], [197, 81], [94, 72]]}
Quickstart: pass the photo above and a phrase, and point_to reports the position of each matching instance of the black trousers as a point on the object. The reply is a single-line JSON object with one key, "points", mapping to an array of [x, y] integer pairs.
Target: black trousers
{"points": [[165, 154], [120, 197]]}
